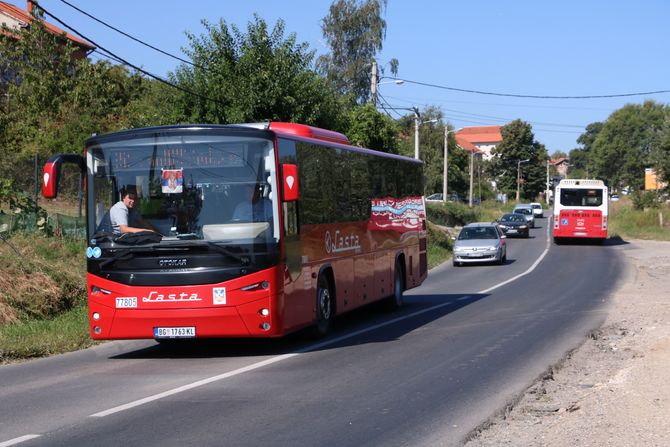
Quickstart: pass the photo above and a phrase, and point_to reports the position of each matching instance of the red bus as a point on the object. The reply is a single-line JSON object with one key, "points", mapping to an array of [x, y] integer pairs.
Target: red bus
{"points": [[343, 226], [580, 210]]}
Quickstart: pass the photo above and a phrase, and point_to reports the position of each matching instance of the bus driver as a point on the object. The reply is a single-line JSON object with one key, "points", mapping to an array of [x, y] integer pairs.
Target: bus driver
{"points": [[253, 207], [123, 217]]}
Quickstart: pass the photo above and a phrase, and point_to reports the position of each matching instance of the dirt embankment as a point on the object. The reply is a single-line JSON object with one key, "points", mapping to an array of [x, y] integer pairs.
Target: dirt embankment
{"points": [[613, 390]]}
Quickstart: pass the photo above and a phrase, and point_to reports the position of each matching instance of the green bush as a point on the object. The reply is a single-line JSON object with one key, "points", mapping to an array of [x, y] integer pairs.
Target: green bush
{"points": [[645, 199], [22, 212], [439, 245], [450, 214]]}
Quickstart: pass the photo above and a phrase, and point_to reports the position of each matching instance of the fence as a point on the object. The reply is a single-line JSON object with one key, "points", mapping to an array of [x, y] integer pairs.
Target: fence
{"points": [[59, 224]]}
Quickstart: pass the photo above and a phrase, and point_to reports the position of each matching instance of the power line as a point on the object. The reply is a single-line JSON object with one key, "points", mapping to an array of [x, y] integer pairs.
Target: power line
{"points": [[108, 56], [467, 118], [125, 62], [513, 95], [129, 36], [389, 107], [494, 104], [577, 126]]}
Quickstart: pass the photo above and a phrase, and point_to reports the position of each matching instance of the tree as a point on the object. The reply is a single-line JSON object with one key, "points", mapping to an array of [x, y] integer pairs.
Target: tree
{"points": [[659, 156], [621, 150], [580, 157], [355, 31], [255, 76], [431, 144], [519, 144], [372, 129], [54, 102]]}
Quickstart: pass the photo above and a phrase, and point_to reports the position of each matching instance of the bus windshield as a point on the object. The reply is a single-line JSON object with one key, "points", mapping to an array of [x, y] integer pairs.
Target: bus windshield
{"points": [[218, 189], [581, 197]]}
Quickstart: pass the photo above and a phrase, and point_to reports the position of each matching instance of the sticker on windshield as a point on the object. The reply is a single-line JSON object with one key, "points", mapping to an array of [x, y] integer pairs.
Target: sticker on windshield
{"points": [[172, 181]]}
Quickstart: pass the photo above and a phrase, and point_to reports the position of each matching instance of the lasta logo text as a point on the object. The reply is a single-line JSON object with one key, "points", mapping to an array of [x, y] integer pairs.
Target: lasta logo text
{"points": [[341, 242], [155, 296]]}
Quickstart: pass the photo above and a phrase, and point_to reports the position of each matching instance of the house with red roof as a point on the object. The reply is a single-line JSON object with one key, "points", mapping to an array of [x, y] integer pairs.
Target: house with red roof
{"points": [[561, 164], [479, 139], [16, 19]]}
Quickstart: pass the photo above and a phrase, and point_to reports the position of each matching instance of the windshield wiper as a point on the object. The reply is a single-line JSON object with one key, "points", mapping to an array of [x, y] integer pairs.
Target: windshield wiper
{"points": [[125, 254], [244, 260]]}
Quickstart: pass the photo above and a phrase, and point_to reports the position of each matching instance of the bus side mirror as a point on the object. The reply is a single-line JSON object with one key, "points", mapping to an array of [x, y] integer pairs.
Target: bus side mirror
{"points": [[290, 187], [52, 170]]}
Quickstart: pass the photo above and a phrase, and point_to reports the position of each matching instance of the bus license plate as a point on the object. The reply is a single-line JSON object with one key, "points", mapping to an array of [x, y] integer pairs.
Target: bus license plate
{"points": [[174, 332]]}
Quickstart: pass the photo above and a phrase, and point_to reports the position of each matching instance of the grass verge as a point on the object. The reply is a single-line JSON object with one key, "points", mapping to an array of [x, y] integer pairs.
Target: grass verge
{"points": [[626, 222], [42, 296], [39, 338]]}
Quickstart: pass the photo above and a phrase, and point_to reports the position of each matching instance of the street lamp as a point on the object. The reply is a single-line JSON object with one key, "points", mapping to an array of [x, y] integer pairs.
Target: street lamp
{"points": [[446, 158], [395, 81], [417, 123], [518, 176], [374, 84]]}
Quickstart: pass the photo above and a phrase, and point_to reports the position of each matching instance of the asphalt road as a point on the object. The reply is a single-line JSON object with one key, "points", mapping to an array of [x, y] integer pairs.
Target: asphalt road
{"points": [[467, 341]]}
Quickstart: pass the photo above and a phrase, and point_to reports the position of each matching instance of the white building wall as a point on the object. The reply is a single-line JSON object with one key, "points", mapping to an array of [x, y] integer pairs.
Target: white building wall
{"points": [[10, 22], [486, 148]]}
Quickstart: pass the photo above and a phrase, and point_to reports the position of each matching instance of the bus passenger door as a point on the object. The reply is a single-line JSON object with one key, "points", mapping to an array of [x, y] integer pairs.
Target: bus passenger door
{"points": [[298, 290], [292, 246]]}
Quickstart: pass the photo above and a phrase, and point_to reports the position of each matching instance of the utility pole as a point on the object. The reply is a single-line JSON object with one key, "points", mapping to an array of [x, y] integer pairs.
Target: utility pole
{"points": [[472, 168], [445, 174], [417, 122], [546, 192], [446, 164], [373, 84]]}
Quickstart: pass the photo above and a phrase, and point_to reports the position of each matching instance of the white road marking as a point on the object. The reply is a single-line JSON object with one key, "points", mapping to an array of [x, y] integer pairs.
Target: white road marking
{"points": [[530, 269], [18, 440], [304, 350]]}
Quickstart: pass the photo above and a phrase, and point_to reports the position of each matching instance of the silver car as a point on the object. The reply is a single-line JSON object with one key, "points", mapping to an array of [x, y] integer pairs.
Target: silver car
{"points": [[527, 212], [480, 242]]}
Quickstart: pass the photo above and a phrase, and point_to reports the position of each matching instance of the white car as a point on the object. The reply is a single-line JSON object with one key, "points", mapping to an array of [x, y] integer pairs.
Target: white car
{"points": [[537, 209]]}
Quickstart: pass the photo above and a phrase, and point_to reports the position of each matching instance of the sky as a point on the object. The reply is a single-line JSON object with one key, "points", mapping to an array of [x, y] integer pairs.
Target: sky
{"points": [[503, 47]]}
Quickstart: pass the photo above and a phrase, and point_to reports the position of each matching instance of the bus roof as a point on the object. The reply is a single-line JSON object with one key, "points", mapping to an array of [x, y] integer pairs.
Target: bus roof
{"points": [[300, 130], [590, 183], [306, 131]]}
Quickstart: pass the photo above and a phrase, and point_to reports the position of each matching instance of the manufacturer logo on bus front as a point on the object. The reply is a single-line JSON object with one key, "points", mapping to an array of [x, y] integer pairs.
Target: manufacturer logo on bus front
{"points": [[172, 262]]}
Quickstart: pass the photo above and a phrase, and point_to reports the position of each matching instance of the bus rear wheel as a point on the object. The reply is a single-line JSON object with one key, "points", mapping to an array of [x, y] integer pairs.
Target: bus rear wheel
{"points": [[325, 307], [395, 301]]}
